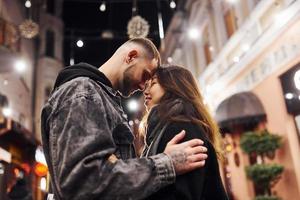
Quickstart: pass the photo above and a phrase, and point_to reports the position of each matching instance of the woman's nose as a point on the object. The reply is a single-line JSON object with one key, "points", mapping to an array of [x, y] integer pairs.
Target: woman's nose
{"points": [[146, 91]]}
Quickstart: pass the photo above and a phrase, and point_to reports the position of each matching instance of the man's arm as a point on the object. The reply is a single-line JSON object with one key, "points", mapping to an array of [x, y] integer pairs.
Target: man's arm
{"points": [[189, 186], [186, 156], [81, 144]]}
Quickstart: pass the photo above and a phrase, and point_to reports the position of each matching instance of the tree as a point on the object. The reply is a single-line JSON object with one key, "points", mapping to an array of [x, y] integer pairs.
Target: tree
{"points": [[264, 176]]}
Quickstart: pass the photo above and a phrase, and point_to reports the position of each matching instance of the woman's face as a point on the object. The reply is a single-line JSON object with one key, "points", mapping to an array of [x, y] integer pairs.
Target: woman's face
{"points": [[153, 93]]}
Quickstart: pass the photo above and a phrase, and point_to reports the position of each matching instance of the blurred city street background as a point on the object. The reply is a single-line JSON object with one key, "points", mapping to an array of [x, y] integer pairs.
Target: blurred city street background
{"points": [[245, 55]]}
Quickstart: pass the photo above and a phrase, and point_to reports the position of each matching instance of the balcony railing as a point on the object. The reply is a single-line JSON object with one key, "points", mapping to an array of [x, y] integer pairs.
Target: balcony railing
{"points": [[257, 33]]}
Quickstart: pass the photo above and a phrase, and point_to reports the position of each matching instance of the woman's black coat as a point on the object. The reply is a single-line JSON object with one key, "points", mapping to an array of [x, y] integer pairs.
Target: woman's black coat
{"points": [[201, 184]]}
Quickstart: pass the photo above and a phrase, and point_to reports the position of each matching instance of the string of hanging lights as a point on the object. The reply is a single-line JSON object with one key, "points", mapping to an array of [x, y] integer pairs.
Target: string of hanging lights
{"points": [[28, 28], [137, 25]]}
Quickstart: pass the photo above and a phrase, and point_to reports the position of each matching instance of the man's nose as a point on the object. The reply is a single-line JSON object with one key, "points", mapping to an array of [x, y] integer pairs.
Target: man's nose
{"points": [[142, 86]]}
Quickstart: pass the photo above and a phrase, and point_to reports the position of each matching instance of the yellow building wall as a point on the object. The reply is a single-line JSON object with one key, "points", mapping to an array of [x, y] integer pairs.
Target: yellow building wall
{"points": [[269, 92], [281, 123]]}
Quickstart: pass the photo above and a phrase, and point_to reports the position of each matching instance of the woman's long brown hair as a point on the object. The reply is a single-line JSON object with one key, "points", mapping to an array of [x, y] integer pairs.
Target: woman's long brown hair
{"points": [[179, 83]]}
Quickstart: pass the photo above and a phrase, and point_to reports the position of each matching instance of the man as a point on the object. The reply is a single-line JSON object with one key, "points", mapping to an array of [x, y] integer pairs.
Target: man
{"points": [[86, 138]]}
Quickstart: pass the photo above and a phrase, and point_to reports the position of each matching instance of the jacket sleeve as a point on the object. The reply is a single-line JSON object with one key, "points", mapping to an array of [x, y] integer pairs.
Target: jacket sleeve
{"points": [[189, 186], [80, 143]]}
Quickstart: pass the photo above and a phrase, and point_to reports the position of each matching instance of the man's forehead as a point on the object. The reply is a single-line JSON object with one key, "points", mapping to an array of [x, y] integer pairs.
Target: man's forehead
{"points": [[153, 66]]}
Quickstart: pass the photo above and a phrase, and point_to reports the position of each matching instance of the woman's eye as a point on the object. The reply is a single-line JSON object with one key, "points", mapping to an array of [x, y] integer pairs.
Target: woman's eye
{"points": [[147, 85]]}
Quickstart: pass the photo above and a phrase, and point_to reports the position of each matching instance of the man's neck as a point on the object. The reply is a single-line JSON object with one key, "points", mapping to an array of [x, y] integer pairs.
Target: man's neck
{"points": [[109, 69]]}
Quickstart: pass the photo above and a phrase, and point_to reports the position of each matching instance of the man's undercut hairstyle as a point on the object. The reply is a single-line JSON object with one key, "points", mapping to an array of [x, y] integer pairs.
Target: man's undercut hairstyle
{"points": [[150, 49]]}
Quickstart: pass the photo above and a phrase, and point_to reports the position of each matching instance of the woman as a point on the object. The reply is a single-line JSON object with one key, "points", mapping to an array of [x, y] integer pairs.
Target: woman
{"points": [[174, 104]]}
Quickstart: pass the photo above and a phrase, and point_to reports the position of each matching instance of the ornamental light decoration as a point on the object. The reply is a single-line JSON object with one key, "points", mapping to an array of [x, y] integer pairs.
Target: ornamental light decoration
{"points": [[137, 27], [29, 29]]}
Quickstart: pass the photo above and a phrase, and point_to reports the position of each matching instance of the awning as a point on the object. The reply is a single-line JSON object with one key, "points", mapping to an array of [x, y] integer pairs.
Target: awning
{"points": [[11, 132], [5, 155], [3, 100], [240, 108]]}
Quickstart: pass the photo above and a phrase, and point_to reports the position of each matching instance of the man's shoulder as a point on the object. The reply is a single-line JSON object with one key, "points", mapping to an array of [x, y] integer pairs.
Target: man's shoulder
{"points": [[77, 87], [81, 81], [80, 85]]}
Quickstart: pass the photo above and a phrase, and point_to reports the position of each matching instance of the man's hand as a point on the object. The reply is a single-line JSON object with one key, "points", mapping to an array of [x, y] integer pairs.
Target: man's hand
{"points": [[186, 156]]}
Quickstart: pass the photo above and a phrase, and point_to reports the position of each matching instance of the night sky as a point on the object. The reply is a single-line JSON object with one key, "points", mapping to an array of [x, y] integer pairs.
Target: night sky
{"points": [[83, 20]]}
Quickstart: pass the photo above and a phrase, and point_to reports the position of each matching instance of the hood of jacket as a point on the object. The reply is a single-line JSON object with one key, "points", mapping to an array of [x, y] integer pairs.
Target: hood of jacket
{"points": [[81, 70]]}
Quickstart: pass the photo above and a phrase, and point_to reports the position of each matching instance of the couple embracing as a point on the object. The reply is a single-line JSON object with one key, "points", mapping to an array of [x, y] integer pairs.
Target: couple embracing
{"points": [[88, 144]]}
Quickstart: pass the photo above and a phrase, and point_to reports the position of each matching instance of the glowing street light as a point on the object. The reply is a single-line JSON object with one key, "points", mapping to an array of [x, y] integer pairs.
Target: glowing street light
{"points": [[7, 112], [236, 59], [28, 4], [170, 59], [282, 17], [40, 156], [72, 61], [79, 43], [102, 7], [232, 1], [297, 79], [43, 184], [289, 96], [20, 66], [246, 47], [193, 33], [172, 4], [133, 105], [131, 123]]}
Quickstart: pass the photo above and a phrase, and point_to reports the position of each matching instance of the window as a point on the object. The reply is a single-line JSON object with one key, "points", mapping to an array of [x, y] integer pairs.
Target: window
{"points": [[22, 119], [290, 81], [2, 31], [195, 55], [230, 23], [297, 120], [207, 47], [50, 6], [3, 178], [50, 39], [3, 101], [3, 104], [9, 36], [207, 53], [256, 1]]}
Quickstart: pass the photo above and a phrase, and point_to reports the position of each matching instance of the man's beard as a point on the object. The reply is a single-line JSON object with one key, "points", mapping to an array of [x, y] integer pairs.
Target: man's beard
{"points": [[125, 85]]}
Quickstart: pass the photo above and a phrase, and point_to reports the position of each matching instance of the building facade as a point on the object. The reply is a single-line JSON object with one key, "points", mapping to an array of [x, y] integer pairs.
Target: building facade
{"points": [[28, 67], [246, 46]]}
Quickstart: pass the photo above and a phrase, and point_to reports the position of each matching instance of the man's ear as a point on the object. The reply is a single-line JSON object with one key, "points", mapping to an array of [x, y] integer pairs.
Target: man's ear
{"points": [[131, 55]]}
